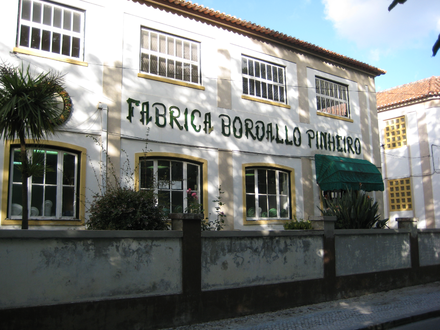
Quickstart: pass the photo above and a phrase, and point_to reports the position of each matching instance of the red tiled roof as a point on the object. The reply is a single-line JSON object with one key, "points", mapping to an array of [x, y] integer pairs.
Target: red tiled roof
{"points": [[234, 23], [413, 92]]}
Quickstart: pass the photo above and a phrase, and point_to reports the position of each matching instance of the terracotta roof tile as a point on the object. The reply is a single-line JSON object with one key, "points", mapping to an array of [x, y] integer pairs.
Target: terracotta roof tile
{"points": [[234, 23], [412, 92]]}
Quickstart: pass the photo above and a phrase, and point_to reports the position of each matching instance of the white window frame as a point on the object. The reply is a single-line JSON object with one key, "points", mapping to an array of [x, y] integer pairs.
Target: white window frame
{"points": [[263, 80], [46, 210], [43, 28], [332, 97], [175, 57], [168, 185], [278, 195]]}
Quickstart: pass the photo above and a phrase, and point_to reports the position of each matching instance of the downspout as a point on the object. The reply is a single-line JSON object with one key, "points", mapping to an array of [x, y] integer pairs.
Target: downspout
{"points": [[104, 144]]}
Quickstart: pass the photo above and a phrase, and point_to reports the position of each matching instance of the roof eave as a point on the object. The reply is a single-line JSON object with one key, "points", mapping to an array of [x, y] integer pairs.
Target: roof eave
{"points": [[249, 28]]}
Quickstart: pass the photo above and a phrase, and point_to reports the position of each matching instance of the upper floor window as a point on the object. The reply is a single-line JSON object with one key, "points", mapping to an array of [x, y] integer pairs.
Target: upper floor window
{"points": [[332, 98], [51, 28], [399, 194], [53, 193], [395, 133], [267, 194], [263, 80], [170, 56], [177, 183]]}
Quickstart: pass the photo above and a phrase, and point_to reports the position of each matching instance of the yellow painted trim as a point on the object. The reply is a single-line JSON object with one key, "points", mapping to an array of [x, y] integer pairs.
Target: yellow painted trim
{"points": [[277, 104], [170, 81], [204, 163], [292, 193], [334, 116], [49, 56], [82, 189]]}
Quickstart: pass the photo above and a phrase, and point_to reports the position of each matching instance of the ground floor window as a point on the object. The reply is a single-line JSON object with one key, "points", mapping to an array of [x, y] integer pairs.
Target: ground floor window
{"points": [[52, 191], [267, 194], [178, 183]]}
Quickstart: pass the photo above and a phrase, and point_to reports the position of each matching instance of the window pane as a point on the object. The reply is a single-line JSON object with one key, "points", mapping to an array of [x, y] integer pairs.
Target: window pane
{"points": [[146, 176], [177, 199], [56, 43], [76, 22], [262, 188], [271, 180], [153, 64], [68, 202], [57, 17], [162, 66], [66, 45], [170, 46], [69, 169], [262, 206], [162, 44], [35, 41], [195, 74], [51, 167], [164, 198], [170, 71], [26, 10], [47, 15], [177, 175], [24, 36], [67, 22], [164, 174], [16, 205], [153, 40], [50, 202], [36, 200], [273, 213], [250, 206], [145, 62], [283, 183], [194, 52], [17, 166], [45, 44], [250, 182], [36, 14], [192, 177], [75, 46]]}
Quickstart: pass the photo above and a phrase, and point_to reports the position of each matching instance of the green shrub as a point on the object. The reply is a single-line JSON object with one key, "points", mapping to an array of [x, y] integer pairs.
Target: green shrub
{"points": [[123, 208], [354, 210], [295, 224]]}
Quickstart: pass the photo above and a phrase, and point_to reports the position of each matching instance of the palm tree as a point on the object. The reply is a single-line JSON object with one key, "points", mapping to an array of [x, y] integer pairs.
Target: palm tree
{"points": [[29, 109]]}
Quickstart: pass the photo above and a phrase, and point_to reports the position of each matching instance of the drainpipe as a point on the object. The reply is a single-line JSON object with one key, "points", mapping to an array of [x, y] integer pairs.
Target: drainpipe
{"points": [[104, 144]]}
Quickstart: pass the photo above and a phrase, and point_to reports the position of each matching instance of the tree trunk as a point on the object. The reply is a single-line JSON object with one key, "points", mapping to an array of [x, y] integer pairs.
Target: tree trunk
{"points": [[24, 184]]}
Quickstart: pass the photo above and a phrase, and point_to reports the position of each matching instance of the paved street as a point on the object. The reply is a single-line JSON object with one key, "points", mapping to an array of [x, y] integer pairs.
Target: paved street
{"points": [[383, 310]]}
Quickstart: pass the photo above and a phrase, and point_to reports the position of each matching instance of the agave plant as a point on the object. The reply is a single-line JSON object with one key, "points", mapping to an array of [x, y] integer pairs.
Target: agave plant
{"points": [[353, 210], [29, 109]]}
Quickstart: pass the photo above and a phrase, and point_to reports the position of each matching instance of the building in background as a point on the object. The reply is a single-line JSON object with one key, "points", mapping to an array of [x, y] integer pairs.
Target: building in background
{"points": [[222, 102], [409, 119]]}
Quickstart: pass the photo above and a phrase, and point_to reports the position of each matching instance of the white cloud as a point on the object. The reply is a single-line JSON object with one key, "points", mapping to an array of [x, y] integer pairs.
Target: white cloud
{"points": [[369, 24]]}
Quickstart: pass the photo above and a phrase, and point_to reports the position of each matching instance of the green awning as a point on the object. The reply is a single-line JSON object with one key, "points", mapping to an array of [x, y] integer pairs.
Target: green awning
{"points": [[333, 173]]}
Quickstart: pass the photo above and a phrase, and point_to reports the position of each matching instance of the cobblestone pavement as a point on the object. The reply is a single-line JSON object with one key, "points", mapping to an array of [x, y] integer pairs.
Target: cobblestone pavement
{"points": [[374, 311]]}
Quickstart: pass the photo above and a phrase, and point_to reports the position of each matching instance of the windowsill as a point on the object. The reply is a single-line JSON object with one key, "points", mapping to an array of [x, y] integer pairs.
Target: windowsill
{"points": [[334, 116], [49, 56], [171, 81], [277, 104], [73, 222], [265, 222]]}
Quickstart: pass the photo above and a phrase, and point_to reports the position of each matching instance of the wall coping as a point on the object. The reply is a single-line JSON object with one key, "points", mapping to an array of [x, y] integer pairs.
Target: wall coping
{"points": [[82, 234], [342, 232], [262, 233]]}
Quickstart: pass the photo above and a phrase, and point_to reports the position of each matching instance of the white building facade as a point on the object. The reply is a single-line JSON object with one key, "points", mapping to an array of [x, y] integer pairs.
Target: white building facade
{"points": [[190, 97], [408, 122]]}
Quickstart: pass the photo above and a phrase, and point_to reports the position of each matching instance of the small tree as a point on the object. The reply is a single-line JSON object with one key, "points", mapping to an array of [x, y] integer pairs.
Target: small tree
{"points": [[29, 109]]}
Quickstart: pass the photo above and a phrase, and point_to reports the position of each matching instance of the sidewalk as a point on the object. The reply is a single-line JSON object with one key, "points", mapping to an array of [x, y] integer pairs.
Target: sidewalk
{"points": [[383, 310]]}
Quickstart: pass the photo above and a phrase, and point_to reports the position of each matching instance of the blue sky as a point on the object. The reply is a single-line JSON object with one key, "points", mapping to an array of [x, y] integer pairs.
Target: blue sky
{"points": [[399, 42]]}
